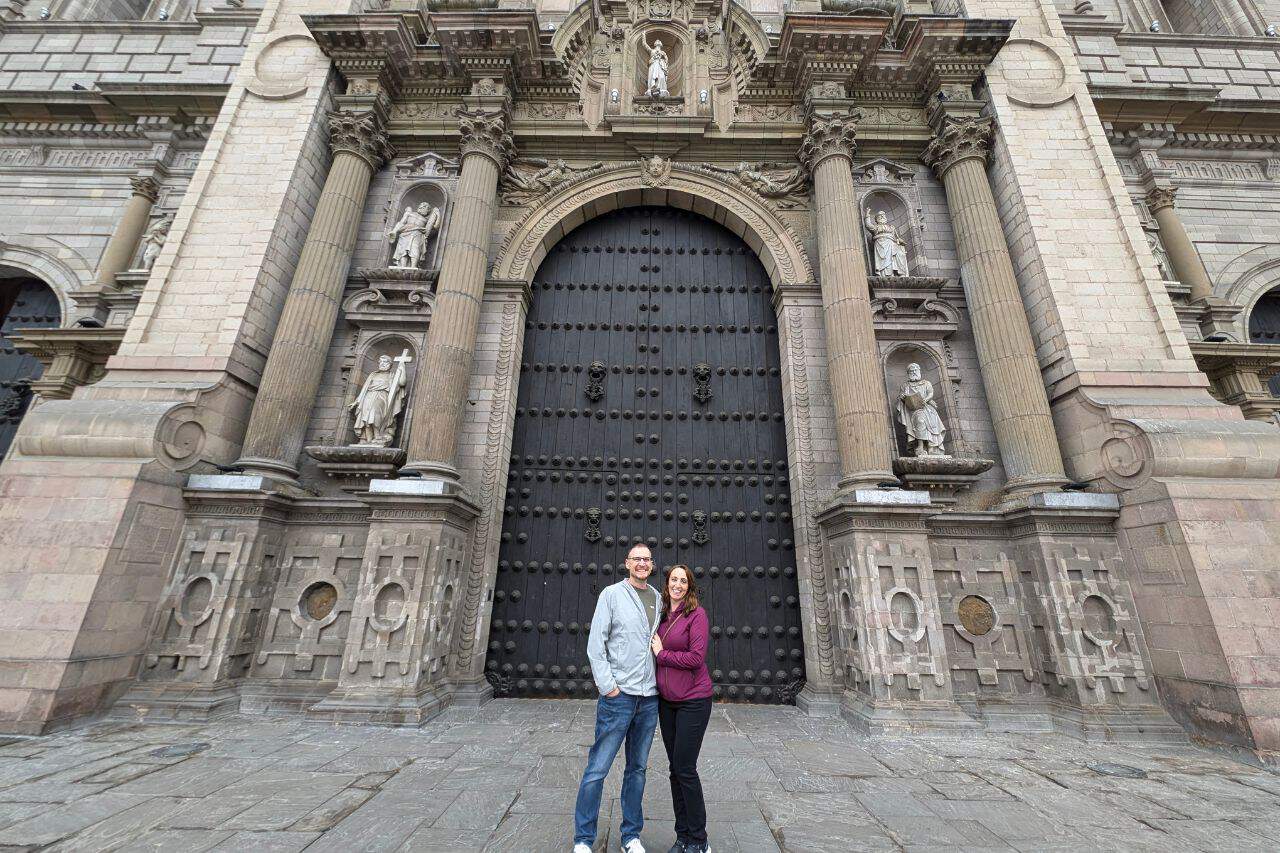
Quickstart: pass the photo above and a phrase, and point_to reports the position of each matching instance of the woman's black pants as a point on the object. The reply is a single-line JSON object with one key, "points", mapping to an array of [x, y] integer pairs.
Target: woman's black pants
{"points": [[683, 725]]}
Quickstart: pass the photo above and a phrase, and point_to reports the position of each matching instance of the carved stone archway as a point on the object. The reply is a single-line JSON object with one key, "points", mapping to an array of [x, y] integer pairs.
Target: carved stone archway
{"points": [[683, 186]]}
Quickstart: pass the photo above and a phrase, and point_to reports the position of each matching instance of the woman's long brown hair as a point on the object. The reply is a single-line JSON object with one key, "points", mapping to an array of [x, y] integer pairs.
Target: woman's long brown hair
{"points": [[690, 597]]}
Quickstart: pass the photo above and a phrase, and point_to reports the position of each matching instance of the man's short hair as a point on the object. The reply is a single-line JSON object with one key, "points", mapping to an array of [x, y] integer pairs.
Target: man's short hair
{"points": [[640, 545]]}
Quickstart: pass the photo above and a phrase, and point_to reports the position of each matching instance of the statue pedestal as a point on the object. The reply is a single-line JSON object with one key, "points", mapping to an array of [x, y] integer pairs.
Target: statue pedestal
{"points": [[656, 105], [944, 477], [353, 467]]}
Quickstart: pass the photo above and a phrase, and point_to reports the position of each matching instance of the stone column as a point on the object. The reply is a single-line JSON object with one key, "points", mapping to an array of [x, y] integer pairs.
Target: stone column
{"points": [[1006, 353], [1183, 257], [857, 385], [128, 231], [451, 340], [292, 375]]}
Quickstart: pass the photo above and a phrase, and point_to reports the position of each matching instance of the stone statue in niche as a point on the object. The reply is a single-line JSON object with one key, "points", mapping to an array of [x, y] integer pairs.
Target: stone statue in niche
{"points": [[380, 401], [411, 234], [153, 241], [890, 255], [657, 84], [919, 415], [1162, 259]]}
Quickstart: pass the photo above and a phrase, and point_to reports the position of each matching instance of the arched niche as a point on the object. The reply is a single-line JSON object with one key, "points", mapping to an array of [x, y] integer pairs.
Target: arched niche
{"points": [[371, 348], [410, 196], [26, 302], [899, 213], [674, 43], [1264, 327], [896, 359]]}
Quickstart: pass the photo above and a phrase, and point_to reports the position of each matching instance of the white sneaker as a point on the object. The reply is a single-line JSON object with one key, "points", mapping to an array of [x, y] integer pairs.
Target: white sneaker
{"points": [[633, 846], [582, 848]]}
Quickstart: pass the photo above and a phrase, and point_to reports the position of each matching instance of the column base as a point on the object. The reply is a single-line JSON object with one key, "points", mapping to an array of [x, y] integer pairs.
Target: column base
{"points": [[427, 470], [174, 701], [1016, 492], [472, 693], [818, 702], [867, 480], [380, 708], [901, 717], [269, 469]]}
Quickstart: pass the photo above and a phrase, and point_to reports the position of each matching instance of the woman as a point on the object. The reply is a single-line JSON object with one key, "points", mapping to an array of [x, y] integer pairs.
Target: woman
{"points": [[684, 702]]}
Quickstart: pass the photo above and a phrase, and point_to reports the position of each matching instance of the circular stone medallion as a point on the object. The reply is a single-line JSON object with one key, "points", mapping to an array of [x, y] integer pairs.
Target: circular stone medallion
{"points": [[977, 616], [318, 600]]}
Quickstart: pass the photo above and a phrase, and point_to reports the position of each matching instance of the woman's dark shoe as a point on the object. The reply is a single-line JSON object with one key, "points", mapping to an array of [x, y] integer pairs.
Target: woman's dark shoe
{"points": [[678, 847]]}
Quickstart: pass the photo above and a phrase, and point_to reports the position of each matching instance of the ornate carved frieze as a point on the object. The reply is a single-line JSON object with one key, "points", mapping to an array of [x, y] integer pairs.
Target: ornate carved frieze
{"points": [[529, 178], [959, 139], [362, 134], [784, 184], [830, 135], [486, 132]]}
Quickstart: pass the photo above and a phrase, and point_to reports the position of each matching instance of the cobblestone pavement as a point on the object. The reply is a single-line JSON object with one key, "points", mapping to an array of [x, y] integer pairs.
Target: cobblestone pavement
{"points": [[504, 778]]}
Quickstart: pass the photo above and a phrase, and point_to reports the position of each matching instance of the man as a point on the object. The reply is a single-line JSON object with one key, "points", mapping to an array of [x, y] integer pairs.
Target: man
{"points": [[625, 620]]}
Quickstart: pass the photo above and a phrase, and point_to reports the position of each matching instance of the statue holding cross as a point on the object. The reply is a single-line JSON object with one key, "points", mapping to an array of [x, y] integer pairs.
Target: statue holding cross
{"points": [[380, 401]]}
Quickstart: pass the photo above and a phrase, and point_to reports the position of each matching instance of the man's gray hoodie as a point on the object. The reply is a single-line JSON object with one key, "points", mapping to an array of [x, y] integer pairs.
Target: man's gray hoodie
{"points": [[618, 646]]}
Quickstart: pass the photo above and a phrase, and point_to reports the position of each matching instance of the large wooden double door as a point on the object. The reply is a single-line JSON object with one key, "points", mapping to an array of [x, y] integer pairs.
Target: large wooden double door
{"points": [[649, 410]]}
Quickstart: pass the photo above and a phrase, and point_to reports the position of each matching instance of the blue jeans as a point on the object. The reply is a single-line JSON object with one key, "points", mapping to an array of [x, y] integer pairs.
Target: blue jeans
{"points": [[622, 718]]}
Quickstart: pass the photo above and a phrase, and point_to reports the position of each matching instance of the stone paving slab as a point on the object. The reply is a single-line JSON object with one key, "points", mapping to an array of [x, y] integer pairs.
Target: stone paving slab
{"points": [[504, 778]]}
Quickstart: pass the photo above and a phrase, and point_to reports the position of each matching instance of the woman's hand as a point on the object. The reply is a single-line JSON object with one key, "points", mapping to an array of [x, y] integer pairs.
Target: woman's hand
{"points": [[656, 644]]}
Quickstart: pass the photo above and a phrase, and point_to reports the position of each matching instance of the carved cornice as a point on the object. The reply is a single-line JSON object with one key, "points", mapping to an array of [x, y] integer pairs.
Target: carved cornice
{"points": [[830, 135], [362, 134], [1158, 198], [486, 132], [147, 187], [959, 140]]}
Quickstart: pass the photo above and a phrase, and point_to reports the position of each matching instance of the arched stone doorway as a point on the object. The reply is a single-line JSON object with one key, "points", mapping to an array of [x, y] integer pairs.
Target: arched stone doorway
{"points": [[649, 409], [1264, 327], [25, 303]]}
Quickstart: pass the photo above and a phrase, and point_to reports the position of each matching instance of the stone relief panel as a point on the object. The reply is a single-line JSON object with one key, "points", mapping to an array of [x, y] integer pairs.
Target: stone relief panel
{"points": [[988, 635], [207, 624], [310, 615], [404, 610]]}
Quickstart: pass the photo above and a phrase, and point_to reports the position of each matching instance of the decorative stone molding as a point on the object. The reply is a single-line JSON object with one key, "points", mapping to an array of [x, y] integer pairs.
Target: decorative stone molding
{"points": [[958, 140], [780, 250], [486, 132], [830, 136], [72, 357], [147, 187], [361, 134]]}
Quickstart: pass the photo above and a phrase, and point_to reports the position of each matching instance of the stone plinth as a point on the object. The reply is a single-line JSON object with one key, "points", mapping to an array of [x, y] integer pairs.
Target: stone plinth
{"points": [[352, 467], [943, 477]]}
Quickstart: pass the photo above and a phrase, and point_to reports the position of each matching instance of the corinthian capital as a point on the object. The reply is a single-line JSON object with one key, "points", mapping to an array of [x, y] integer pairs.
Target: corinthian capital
{"points": [[959, 139], [361, 134], [830, 135], [1158, 198], [486, 132], [147, 187]]}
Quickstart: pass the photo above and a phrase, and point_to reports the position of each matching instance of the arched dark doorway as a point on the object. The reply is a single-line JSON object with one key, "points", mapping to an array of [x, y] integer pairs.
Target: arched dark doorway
{"points": [[1264, 327], [25, 303], [649, 410]]}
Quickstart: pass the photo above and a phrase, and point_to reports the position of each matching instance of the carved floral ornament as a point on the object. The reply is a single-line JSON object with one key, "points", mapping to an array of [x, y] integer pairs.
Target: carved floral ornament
{"points": [[828, 136], [361, 134], [485, 132], [959, 140], [1161, 197]]}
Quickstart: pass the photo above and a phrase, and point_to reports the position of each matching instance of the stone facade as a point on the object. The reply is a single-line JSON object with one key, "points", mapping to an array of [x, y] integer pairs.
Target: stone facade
{"points": [[1084, 209]]}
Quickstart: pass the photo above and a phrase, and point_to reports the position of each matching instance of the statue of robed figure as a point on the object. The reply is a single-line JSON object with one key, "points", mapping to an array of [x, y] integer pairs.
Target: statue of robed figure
{"points": [[918, 414], [657, 81], [380, 401]]}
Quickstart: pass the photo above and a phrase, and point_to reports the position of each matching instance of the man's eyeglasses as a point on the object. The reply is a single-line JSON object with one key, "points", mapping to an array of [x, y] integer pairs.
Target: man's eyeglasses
{"points": [[640, 559]]}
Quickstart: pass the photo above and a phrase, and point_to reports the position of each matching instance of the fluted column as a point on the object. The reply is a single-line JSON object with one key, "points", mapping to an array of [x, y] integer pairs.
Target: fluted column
{"points": [[1006, 353], [857, 385], [455, 318], [128, 231], [292, 375], [1183, 257]]}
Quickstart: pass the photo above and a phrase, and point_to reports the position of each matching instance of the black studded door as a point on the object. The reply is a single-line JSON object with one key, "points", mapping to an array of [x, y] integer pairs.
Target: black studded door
{"points": [[25, 303], [649, 410]]}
